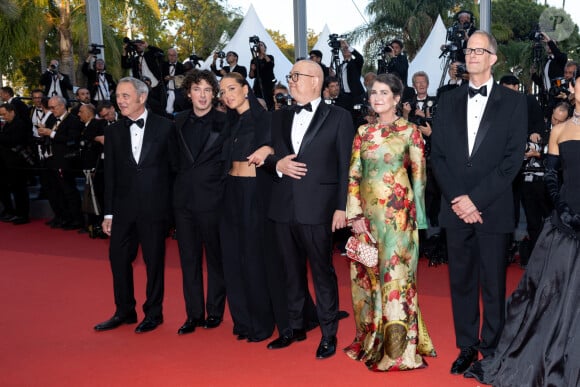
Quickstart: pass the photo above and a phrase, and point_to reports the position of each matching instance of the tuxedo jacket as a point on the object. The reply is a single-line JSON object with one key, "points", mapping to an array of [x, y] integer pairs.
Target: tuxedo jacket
{"points": [[199, 180], [152, 57], [139, 190], [91, 150], [179, 70], [64, 142], [353, 74], [238, 69], [325, 149], [487, 174], [13, 134], [93, 81], [556, 67], [65, 84]]}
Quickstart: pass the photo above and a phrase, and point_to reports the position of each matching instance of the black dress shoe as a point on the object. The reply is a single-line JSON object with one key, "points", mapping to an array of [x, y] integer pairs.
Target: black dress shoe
{"points": [[257, 339], [148, 324], [18, 220], [466, 357], [71, 226], [241, 336], [115, 322], [189, 326], [326, 348], [212, 322], [5, 217], [284, 341], [475, 371], [342, 314]]}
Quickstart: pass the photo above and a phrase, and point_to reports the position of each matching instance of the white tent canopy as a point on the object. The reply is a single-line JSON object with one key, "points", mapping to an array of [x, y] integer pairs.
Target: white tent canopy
{"points": [[322, 45], [427, 58], [239, 43]]}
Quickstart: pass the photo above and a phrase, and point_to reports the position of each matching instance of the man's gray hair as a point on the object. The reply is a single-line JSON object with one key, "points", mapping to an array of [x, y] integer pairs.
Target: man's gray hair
{"points": [[140, 86]]}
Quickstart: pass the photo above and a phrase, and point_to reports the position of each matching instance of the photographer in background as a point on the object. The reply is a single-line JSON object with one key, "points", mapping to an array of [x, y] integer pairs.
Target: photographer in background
{"points": [[145, 63], [398, 64], [231, 58], [551, 71], [55, 82], [529, 185], [350, 71], [15, 157], [282, 99], [457, 76], [92, 141], [262, 70], [171, 69], [99, 82], [458, 34]]}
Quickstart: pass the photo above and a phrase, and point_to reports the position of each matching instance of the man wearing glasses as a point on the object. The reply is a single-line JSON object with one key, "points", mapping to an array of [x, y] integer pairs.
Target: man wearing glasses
{"points": [[312, 145], [478, 140]]}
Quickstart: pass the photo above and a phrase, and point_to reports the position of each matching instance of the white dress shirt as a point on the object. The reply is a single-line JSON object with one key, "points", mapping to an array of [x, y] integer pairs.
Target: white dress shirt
{"points": [[137, 134], [301, 123], [475, 108]]}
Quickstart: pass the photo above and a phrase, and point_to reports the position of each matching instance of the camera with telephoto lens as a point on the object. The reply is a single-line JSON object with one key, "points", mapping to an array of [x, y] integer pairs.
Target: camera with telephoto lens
{"points": [[361, 108], [533, 146], [221, 54], [334, 40], [283, 99], [96, 49], [560, 85]]}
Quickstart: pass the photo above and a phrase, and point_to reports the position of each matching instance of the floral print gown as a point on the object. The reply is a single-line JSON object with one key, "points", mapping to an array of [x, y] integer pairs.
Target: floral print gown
{"points": [[386, 186]]}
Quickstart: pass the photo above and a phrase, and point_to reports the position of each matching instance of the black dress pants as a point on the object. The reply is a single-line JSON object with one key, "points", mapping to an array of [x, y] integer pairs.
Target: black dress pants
{"points": [[196, 231], [125, 240]]}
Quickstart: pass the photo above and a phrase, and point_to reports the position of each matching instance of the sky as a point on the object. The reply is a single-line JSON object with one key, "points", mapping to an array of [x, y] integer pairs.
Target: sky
{"points": [[341, 16]]}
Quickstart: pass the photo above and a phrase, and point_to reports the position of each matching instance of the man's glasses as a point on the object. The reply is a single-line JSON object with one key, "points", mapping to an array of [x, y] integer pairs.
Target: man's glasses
{"points": [[477, 51], [52, 107], [295, 76]]}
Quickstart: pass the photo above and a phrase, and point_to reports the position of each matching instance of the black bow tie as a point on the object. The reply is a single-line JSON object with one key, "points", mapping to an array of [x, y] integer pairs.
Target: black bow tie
{"points": [[140, 122], [171, 64], [299, 108], [111, 122], [482, 90]]}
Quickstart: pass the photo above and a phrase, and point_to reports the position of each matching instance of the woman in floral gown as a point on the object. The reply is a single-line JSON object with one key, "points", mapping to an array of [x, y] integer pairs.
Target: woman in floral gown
{"points": [[386, 197]]}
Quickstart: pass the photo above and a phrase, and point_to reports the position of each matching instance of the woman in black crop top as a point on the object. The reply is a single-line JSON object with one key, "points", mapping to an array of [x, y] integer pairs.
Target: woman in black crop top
{"points": [[243, 228]]}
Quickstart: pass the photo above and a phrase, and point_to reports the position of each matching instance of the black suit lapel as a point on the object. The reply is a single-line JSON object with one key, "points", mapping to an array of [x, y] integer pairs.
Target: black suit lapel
{"points": [[125, 135], [287, 120], [315, 125], [485, 124], [148, 137], [461, 105], [180, 121]]}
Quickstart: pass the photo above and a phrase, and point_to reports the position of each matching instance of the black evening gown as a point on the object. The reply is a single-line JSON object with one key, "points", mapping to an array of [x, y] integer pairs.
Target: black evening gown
{"points": [[540, 343]]}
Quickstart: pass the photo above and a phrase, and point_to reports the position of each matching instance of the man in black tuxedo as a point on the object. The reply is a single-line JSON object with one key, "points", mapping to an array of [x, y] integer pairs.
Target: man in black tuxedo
{"points": [[232, 67], [20, 108], [170, 69], [99, 82], [478, 141], [137, 206], [145, 62], [350, 71], [83, 97], [15, 157], [312, 146], [197, 197], [398, 64], [55, 82], [61, 133]]}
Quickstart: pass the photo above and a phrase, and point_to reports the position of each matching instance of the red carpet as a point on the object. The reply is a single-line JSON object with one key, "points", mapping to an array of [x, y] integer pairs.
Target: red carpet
{"points": [[56, 285]]}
